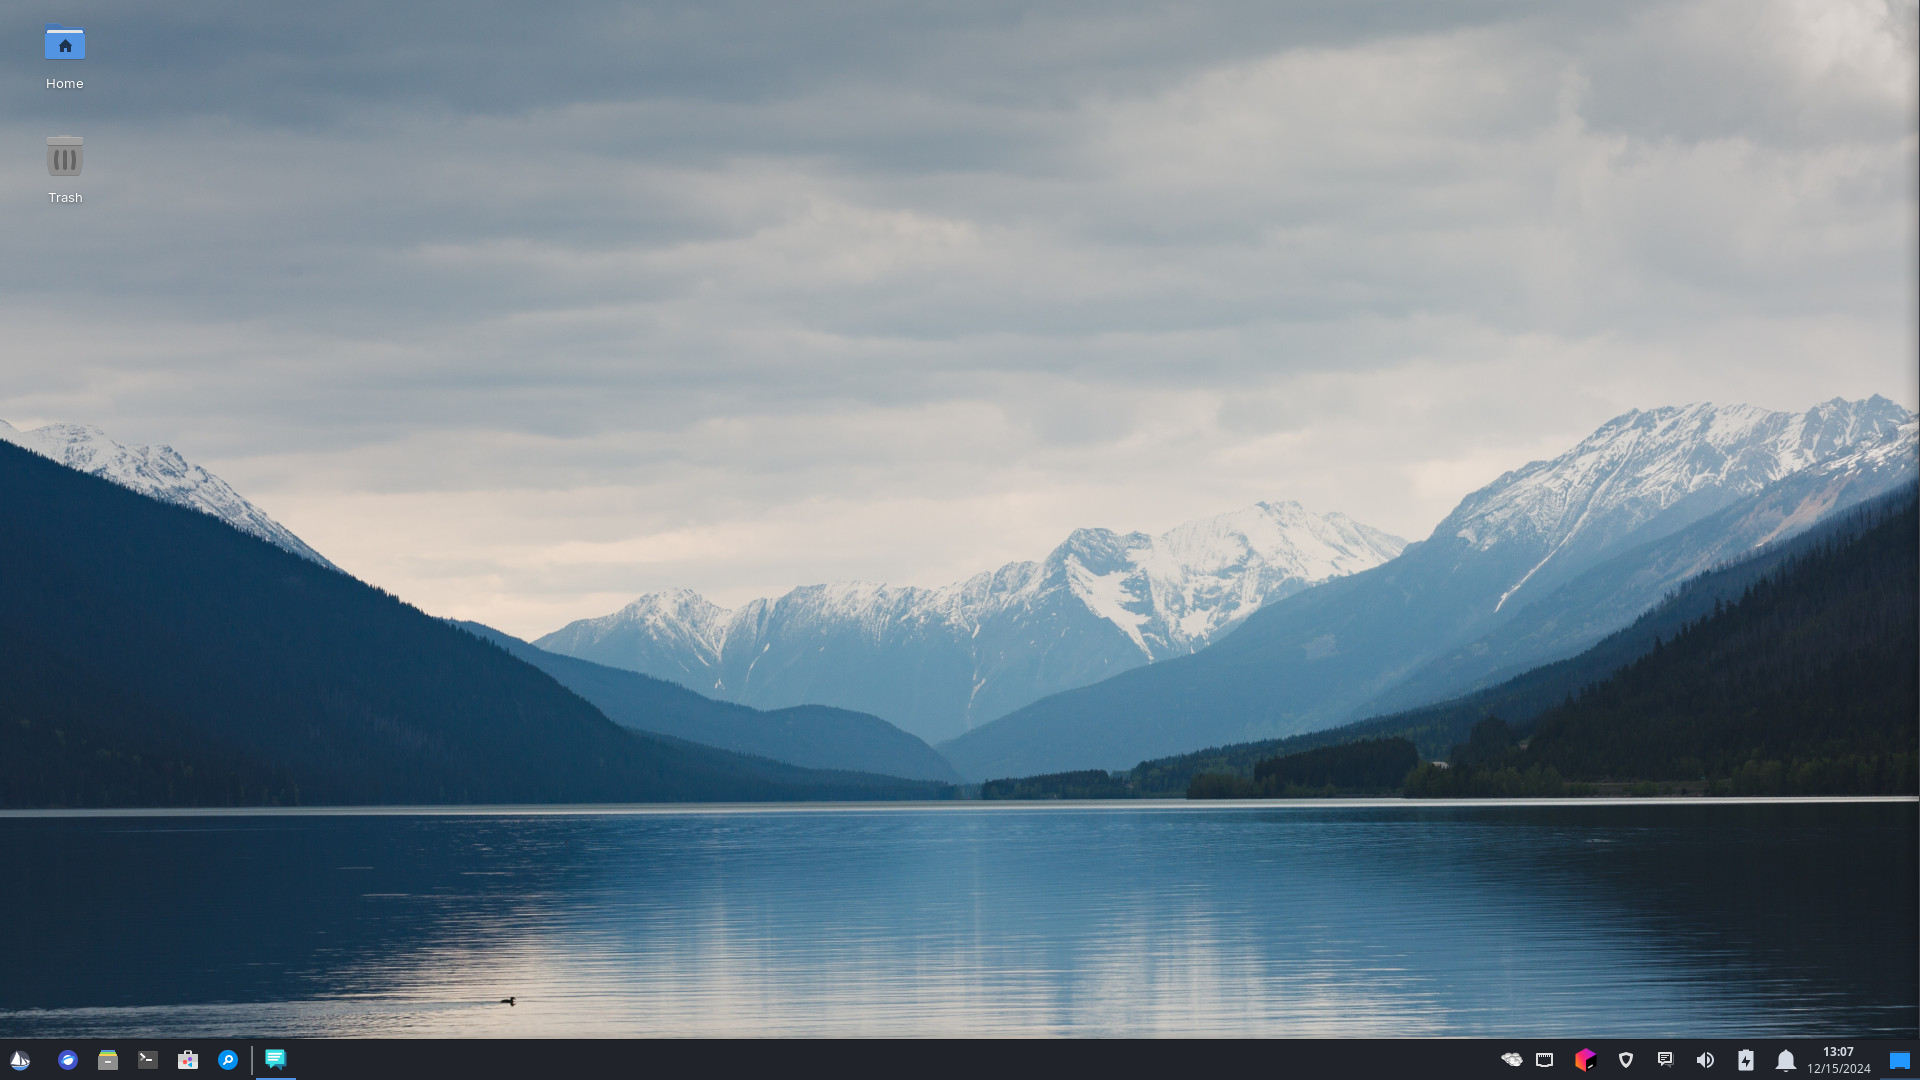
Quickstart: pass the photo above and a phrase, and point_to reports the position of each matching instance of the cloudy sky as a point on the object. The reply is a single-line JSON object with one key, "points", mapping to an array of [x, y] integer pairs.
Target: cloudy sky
{"points": [[521, 310]]}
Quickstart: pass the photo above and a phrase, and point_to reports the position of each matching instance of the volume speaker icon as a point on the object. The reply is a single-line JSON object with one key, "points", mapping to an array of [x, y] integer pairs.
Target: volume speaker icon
{"points": [[1705, 1061], [64, 155]]}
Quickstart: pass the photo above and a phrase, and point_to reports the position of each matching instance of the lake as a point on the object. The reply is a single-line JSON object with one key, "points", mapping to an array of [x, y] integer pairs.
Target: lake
{"points": [[1583, 919]]}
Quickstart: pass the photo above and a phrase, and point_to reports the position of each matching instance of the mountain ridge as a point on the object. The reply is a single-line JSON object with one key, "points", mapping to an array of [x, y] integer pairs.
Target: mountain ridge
{"points": [[1316, 658], [158, 656], [933, 660], [810, 736], [159, 472]]}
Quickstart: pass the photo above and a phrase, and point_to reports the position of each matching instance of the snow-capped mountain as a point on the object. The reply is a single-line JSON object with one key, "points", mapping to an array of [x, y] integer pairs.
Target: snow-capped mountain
{"points": [[158, 472], [1544, 625], [1673, 463], [1330, 654], [937, 661]]}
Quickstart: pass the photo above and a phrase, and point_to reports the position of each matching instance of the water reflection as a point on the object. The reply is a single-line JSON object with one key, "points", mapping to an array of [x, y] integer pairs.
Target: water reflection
{"points": [[1394, 920]]}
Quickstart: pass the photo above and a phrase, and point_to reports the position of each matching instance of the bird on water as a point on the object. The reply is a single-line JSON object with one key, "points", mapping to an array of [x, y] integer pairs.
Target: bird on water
{"points": [[506, 1001]]}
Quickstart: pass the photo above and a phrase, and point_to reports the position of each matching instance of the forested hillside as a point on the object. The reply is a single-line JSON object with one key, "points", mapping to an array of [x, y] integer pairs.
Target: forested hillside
{"points": [[1808, 683], [154, 655], [1867, 610]]}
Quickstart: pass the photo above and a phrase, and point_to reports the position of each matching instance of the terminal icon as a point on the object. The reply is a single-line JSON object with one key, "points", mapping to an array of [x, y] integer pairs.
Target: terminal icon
{"points": [[66, 42]]}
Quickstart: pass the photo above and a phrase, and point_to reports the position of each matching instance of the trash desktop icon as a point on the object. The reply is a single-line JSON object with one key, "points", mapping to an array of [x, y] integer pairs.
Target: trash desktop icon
{"points": [[64, 155], [66, 42], [1512, 1059], [19, 1061], [276, 1059], [1584, 1060], [1900, 1059], [1786, 1062], [107, 1061]]}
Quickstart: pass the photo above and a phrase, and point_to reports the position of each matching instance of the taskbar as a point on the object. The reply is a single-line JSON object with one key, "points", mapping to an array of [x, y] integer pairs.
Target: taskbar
{"points": [[1442, 1059]]}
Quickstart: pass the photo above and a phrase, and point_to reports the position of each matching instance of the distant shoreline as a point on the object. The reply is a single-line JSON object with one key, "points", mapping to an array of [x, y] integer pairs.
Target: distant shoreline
{"points": [[993, 806]]}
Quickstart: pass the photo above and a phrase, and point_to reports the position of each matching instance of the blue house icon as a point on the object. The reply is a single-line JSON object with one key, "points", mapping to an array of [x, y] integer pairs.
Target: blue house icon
{"points": [[66, 42]]}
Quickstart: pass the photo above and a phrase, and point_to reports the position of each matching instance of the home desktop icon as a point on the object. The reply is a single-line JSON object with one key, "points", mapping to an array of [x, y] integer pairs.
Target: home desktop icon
{"points": [[66, 42]]}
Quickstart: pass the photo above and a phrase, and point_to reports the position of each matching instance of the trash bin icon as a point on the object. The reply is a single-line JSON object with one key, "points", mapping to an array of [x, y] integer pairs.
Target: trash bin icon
{"points": [[63, 155]]}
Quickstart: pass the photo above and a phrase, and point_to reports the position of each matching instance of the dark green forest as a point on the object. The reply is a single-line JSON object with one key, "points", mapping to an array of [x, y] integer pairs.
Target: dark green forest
{"points": [[1807, 684], [1368, 767], [1085, 784], [155, 656]]}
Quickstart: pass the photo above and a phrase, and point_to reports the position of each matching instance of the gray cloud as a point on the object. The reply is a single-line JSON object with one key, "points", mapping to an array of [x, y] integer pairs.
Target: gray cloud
{"points": [[520, 310]]}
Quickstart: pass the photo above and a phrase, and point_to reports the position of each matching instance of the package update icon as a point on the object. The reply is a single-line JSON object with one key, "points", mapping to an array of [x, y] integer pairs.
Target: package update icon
{"points": [[64, 154], [66, 42]]}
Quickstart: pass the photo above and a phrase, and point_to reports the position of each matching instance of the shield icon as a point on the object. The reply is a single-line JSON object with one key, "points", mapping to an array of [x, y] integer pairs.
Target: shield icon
{"points": [[1626, 1059]]}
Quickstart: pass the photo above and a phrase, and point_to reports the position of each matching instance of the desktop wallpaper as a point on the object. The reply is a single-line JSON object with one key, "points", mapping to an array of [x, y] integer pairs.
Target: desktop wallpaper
{"points": [[1011, 518]]}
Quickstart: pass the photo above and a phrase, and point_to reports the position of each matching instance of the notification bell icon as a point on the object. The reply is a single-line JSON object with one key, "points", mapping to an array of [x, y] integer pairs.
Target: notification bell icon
{"points": [[1786, 1062]]}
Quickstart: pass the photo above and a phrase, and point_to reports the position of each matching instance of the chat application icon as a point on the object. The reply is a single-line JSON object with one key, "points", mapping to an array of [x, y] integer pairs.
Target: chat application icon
{"points": [[276, 1059]]}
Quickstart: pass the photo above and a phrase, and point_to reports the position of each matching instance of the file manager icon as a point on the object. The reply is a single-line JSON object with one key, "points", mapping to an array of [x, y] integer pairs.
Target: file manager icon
{"points": [[66, 42]]}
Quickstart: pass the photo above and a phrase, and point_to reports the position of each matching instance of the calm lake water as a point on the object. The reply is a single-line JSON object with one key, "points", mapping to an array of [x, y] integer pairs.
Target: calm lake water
{"points": [[1583, 920]]}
